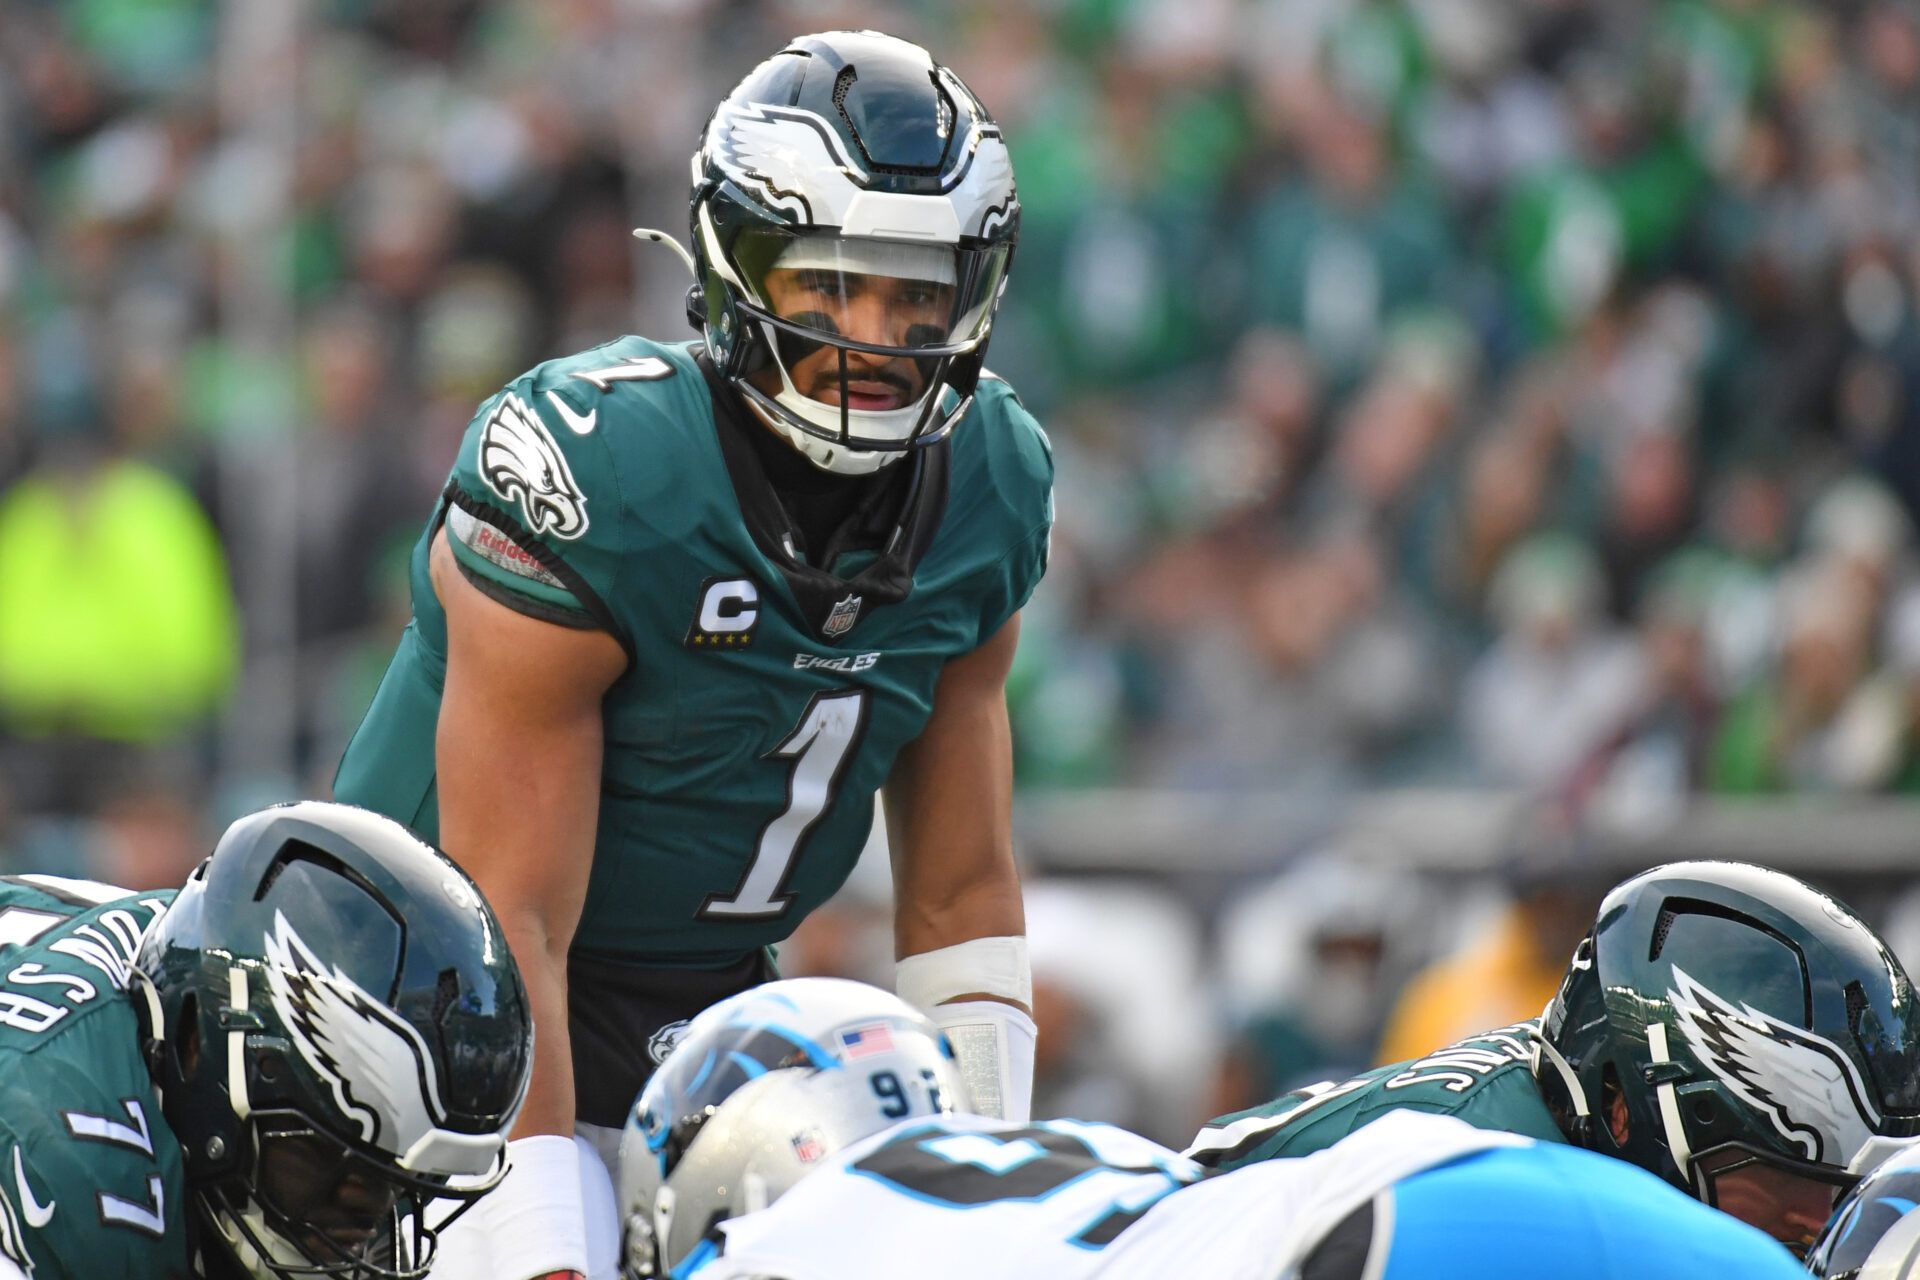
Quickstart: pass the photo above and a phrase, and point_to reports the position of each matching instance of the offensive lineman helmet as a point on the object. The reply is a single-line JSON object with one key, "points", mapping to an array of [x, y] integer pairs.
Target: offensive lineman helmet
{"points": [[1875, 1232], [1756, 1032], [338, 1031], [763, 1087], [853, 218]]}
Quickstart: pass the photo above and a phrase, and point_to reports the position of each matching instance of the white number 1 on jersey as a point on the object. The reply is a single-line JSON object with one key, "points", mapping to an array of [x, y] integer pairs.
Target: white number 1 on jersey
{"points": [[819, 747]]}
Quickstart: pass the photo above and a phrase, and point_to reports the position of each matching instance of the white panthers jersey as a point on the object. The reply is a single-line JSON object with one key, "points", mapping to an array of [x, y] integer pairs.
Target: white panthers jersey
{"points": [[962, 1197]]}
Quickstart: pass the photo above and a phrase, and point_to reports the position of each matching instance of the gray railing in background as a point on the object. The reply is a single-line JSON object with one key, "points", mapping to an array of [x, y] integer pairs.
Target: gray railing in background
{"points": [[1453, 831]]}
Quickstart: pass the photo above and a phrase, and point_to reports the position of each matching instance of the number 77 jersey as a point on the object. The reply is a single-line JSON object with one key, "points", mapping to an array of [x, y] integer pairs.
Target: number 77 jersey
{"points": [[90, 1175], [767, 694]]}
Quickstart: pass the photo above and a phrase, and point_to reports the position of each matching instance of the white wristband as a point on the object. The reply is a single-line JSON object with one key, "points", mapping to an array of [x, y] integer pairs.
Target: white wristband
{"points": [[993, 1042], [535, 1220], [980, 967], [993, 1046]]}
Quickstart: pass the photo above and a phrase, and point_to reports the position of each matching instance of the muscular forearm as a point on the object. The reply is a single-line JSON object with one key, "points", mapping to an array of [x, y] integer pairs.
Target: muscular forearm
{"points": [[949, 807], [933, 912], [518, 748], [549, 1107], [538, 923], [984, 909]]}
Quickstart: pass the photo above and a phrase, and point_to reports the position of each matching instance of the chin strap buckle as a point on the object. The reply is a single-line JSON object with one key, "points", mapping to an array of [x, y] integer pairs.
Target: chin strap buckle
{"points": [[1659, 1073]]}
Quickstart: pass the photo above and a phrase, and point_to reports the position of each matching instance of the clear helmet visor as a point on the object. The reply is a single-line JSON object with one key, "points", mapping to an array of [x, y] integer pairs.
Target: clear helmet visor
{"points": [[868, 294], [861, 336]]}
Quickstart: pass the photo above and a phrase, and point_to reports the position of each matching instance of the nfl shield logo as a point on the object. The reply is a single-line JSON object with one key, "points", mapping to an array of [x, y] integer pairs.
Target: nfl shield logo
{"points": [[841, 620]]}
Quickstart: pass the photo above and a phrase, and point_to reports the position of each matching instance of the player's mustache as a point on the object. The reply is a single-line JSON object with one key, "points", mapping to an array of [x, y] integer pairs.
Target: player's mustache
{"points": [[892, 381], [891, 372]]}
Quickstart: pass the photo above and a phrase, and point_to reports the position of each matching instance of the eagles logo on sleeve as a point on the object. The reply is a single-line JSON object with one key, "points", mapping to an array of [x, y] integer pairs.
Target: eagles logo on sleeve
{"points": [[521, 462]]}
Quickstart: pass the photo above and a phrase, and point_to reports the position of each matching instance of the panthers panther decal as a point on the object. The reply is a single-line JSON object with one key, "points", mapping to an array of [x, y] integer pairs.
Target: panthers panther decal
{"points": [[520, 461]]}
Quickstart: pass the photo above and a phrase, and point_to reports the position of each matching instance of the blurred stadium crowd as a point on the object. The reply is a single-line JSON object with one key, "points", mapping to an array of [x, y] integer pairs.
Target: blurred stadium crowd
{"points": [[1509, 393]]}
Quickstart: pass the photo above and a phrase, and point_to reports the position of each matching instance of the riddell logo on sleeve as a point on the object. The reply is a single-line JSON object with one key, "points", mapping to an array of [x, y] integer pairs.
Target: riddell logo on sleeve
{"points": [[496, 546], [491, 544]]}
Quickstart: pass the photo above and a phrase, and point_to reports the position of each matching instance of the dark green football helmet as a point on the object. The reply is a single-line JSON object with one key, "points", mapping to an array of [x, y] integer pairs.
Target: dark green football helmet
{"points": [[855, 163], [339, 1036], [1755, 1032]]}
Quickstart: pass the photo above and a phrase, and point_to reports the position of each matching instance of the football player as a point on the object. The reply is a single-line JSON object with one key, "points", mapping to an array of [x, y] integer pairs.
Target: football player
{"points": [[685, 607], [1726, 1027], [281, 1069], [802, 1132]]}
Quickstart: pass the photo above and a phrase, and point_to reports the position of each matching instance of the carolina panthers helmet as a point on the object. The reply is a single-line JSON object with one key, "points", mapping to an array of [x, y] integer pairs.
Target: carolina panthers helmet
{"points": [[855, 164], [1875, 1230], [1745, 1021], [339, 1035], [763, 1087]]}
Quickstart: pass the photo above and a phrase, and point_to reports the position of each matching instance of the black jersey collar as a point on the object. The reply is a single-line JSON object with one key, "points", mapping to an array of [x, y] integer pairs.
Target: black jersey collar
{"points": [[898, 519]]}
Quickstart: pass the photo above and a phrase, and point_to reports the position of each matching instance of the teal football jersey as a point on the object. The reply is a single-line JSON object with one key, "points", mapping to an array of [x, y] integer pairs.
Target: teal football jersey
{"points": [[92, 1176], [1486, 1080], [766, 697]]}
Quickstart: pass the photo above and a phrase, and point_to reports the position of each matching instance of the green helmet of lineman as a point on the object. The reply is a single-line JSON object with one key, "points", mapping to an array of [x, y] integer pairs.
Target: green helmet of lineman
{"points": [[1736, 1032], [337, 1030]]}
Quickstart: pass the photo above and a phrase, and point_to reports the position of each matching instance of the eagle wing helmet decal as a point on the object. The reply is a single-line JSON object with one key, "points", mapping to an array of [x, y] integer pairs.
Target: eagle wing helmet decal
{"points": [[982, 186], [520, 461], [791, 156], [377, 1065], [800, 166], [1811, 1091]]}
